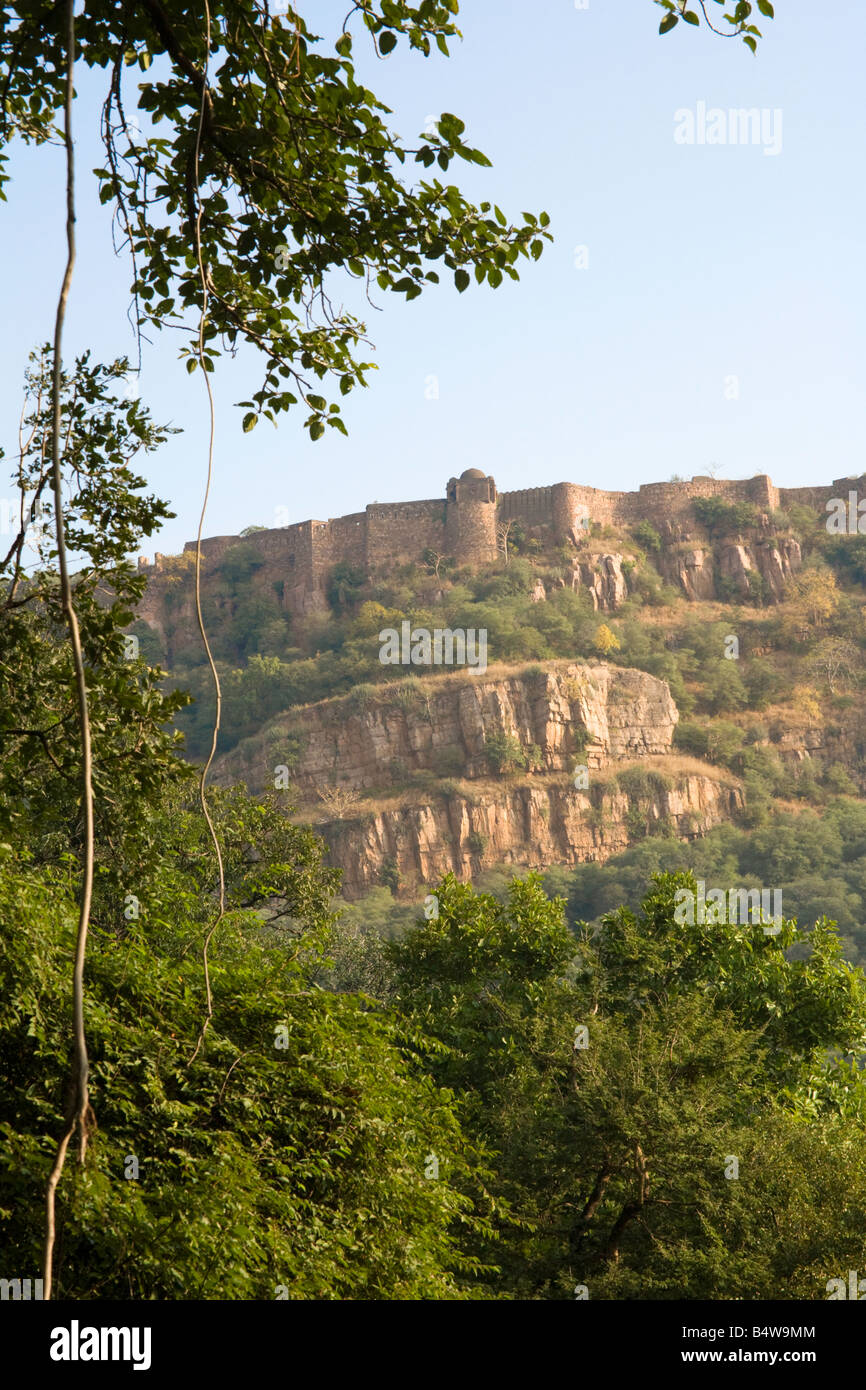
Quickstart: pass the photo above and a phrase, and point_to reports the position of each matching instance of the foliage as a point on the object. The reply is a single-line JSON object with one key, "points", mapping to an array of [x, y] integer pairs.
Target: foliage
{"points": [[297, 178], [505, 753], [723, 518], [606, 641], [291, 1158], [135, 753], [611, 1076], [739, 18], [646, 535]]}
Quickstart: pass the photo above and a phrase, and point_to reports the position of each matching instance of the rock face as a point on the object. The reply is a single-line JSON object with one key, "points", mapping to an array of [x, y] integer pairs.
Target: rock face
{"points": [[394, 744], [602, 578], [530, 826], [695, 570], [442, 725]]}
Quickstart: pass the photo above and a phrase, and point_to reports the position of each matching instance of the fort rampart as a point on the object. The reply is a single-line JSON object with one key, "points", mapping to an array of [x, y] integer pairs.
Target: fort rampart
{"points": [[464, 525]]}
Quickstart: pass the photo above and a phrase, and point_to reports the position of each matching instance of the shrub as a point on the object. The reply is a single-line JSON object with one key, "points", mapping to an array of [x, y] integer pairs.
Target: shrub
{"points": [[636, 823], [447, 762], [239, 563], [642, 784], [724, 518], [837, 779], [692, 738], [504, 753], [344, 586], [362, 696], [389, 875], [449, 788], [408, 694], [647, 536]]}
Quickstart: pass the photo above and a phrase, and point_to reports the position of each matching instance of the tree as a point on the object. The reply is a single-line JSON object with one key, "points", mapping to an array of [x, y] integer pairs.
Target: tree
{"points": [[835, 657], [503, 531], [806, 699], [606, 641], [505, 753], [135, 753], [345, 585], [738, 19], [289, 1159], [433, 560], [814, 599], [272, 171], [338, 800], [274, 166], [612, 1079]]}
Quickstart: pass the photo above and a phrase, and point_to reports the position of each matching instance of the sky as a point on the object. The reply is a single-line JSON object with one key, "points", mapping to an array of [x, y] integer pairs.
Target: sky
{"points": [[700, 310]]}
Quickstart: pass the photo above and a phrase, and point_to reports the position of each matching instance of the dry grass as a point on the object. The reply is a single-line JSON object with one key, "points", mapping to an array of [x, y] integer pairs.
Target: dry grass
{"points": [[430, 684], [672, 765]]}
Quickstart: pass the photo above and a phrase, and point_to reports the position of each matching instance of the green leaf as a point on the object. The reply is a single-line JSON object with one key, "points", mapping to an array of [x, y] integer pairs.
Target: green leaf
{"points": [[751, 43], [690, 17], [766, 9], [250, 421], [461, 279], [388, 42], [669, 22]]}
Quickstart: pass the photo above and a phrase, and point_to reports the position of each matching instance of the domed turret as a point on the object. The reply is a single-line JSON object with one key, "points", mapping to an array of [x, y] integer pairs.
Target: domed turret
{"points": [[470, 518]]}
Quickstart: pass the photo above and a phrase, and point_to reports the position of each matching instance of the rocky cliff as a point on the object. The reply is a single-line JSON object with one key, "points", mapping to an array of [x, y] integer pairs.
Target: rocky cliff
{"points": [[532, 826], [701, 571], [567, 711], [408, 773]]}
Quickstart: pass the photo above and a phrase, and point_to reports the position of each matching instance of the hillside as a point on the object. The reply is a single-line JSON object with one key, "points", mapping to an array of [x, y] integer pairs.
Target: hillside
{"points": [[696, 647]]}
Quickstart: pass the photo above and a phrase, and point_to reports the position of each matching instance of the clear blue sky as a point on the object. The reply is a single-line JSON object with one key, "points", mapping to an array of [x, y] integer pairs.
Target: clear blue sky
{"points": [[704, 262]]}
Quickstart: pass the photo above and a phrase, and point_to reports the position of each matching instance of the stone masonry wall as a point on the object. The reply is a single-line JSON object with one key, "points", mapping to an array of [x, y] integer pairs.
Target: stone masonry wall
{"points": [[301, 557]]}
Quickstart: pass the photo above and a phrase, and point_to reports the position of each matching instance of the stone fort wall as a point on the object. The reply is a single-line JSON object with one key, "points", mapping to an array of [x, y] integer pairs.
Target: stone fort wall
{"points": [[299, 559]]}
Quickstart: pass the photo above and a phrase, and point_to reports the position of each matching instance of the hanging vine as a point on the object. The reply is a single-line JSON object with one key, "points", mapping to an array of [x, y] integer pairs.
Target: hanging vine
{"points": [[80, 1115]]}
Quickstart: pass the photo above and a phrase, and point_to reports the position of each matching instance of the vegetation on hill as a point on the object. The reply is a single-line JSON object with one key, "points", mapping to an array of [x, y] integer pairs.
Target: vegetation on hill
{"points": [[497, 1102]]}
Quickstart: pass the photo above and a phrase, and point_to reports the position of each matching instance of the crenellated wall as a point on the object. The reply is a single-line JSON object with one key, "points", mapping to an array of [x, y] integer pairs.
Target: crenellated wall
{"points": [[299, 559]]}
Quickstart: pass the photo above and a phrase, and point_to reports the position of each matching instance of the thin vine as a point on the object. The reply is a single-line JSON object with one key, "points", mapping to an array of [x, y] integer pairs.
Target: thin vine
{"points": [[202, 784], [80, 1115]]}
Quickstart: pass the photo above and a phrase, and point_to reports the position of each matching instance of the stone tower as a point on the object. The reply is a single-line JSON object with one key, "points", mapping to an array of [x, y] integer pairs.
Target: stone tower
{"points": [[470, 518]]}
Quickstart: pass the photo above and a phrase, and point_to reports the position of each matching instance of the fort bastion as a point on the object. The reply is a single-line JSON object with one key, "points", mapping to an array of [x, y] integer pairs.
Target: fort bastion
{"points": [[464, 523]]}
